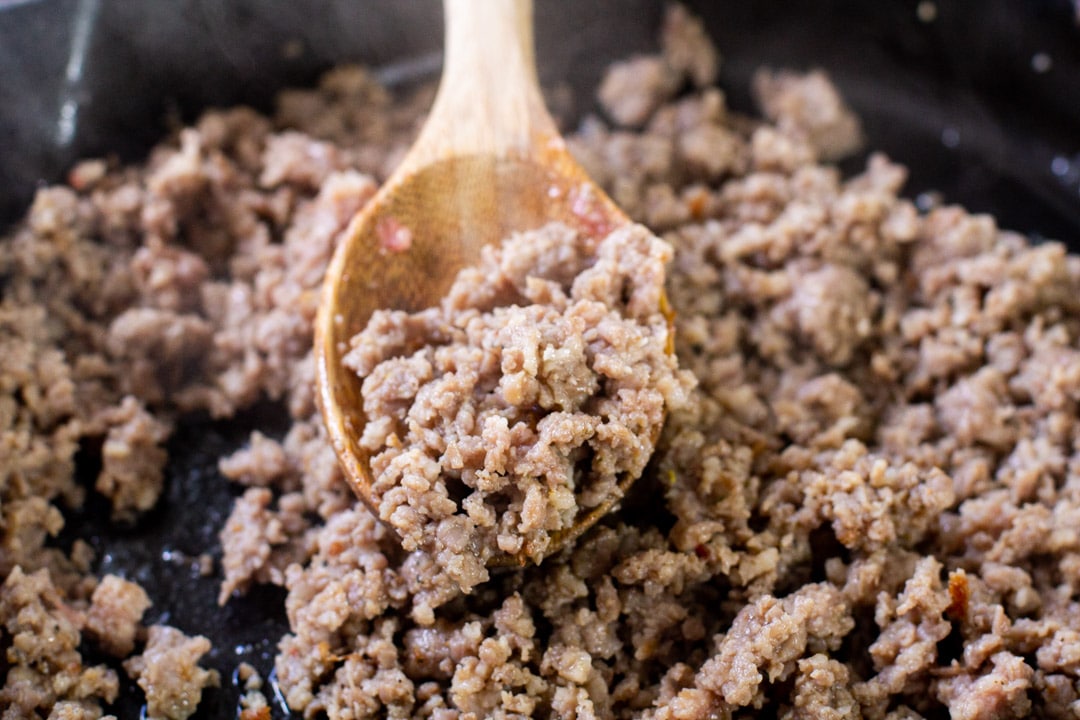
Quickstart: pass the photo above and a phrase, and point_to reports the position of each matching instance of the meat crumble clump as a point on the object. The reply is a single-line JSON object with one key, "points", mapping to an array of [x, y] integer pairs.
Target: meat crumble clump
{"points": [[523, 400], [169, 674]]}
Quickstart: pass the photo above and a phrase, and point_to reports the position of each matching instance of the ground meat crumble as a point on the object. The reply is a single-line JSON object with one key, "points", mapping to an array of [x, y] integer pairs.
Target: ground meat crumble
{"points": [[867, 507], [500, 417]]}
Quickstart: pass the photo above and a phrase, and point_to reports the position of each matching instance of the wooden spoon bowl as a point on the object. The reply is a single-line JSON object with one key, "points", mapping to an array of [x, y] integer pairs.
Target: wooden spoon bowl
{"points": [[489, 162]]}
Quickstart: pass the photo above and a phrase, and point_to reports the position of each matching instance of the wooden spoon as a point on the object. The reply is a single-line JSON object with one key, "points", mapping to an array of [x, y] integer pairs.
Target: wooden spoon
{"points": [[488, 162]]}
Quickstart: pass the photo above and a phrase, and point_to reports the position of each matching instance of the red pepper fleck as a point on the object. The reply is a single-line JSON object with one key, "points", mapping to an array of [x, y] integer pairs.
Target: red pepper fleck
{"points": [[696, 203], [588, 208], [393, 236], [959, 595]]}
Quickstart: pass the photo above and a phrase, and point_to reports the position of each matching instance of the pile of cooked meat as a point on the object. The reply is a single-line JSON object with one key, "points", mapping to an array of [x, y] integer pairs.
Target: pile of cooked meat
{"points": [[867, 503]]}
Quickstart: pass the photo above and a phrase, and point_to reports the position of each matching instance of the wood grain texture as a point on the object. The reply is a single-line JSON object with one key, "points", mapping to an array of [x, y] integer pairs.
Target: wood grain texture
{"points": [[489, 162]]}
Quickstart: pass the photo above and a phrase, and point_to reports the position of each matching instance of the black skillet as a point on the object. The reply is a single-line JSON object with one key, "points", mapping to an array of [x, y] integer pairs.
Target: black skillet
{"points": [[980, 98]]}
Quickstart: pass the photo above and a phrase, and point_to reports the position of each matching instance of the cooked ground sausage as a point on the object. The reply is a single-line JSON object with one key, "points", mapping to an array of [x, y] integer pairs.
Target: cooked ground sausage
{"points": [[867, 506]]}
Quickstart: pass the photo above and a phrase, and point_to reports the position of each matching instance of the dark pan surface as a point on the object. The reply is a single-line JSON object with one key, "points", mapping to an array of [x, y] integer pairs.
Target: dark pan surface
{"points": [[982, 103]]}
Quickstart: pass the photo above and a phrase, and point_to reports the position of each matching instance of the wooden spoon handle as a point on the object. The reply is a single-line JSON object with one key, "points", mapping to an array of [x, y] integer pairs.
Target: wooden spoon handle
{"points": [[489, 100]]}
